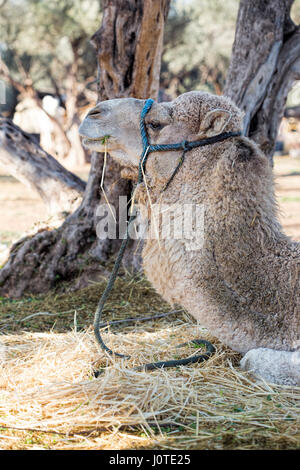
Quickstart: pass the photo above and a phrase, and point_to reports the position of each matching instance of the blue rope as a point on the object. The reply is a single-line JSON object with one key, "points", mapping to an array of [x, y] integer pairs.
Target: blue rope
{"points": [[144, 135]]}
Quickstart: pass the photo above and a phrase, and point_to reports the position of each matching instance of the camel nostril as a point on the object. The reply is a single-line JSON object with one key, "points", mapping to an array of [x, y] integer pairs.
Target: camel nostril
{"points": [[95, 112]]}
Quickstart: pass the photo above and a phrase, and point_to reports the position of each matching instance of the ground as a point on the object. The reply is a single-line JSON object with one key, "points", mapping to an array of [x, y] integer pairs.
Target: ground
{"points": [[49, 398], [21, 207]]}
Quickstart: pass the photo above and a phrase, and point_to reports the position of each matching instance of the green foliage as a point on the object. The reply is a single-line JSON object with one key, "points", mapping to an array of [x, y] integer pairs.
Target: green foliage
{"points": [[44, 36], [198, 43], [104, 140], [47, 35]]}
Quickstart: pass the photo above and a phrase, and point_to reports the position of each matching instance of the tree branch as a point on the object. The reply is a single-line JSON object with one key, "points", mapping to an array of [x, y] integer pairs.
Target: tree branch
{"points": [[272, 109], [260, 77], [60, 189], [4, 71]]}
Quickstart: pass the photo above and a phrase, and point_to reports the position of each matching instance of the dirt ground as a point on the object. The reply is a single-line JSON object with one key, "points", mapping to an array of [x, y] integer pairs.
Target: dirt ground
{"points": [[21, 208]]}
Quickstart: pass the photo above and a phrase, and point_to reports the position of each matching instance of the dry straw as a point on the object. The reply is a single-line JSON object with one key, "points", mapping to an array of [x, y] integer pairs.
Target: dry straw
{"points": [[47, 389]]}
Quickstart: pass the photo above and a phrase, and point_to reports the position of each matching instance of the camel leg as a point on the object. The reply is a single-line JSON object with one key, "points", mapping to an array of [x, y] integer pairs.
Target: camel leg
{"points": [[279, 367]]}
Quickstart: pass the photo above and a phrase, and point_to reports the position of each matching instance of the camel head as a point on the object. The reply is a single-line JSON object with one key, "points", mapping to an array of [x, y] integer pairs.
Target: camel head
{"points": [[192, 116]]}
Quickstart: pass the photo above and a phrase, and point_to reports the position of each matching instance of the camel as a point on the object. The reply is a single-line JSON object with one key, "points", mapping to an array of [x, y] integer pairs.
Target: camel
{"points": [[242, 282]]}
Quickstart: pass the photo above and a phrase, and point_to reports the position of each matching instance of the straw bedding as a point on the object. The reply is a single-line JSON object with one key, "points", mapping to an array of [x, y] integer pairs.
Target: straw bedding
{"points": [[49, 397]]}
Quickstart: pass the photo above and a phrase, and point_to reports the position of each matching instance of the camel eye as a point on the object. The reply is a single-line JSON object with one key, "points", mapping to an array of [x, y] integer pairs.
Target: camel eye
{"points": [[156, 126]]}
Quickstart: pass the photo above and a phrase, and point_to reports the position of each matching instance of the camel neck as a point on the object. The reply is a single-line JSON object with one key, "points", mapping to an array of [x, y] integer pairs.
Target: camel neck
{"points": [[256, 266]]}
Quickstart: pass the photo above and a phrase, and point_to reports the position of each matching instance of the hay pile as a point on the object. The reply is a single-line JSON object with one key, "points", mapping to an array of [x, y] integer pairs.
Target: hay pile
{"points": [[49, 397]]}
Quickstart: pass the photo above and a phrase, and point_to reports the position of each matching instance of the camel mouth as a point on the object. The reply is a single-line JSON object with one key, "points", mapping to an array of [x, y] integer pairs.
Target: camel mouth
{"points": [[92, 142]]}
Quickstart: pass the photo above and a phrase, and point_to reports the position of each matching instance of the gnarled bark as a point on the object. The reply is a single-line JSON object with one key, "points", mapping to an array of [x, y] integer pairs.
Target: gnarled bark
{"points": [[23, 158], [129, 47], [73, 250], [265, 62]]}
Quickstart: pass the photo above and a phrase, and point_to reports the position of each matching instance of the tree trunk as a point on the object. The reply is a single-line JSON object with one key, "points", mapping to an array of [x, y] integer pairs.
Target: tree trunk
{"points": [[129, 47], [130, 35], [264, 64], [60, 190]]}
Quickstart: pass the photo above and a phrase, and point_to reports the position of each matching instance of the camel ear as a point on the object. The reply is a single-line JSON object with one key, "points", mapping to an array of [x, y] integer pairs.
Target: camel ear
{"points": [[214, 122]]}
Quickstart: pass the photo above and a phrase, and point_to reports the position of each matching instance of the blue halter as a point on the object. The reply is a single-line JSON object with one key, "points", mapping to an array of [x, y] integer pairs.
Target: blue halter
{"points": [[185, 145]]}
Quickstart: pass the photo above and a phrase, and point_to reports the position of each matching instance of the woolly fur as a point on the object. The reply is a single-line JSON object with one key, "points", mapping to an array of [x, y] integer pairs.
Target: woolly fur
{"points": [[243, 284]]}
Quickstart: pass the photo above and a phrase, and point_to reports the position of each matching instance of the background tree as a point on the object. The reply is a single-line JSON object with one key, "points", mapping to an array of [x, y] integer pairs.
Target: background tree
{"points": [[198, 42], [38, 263], [45, 49], [264, 65]]}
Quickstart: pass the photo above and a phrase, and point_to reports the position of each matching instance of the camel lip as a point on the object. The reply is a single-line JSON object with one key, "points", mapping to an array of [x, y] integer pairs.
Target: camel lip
{"points": [[90, 139], [86, 141]]}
